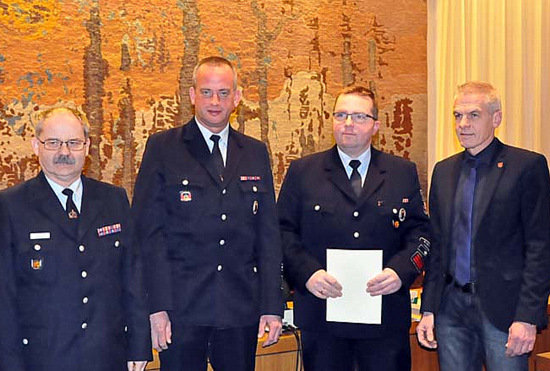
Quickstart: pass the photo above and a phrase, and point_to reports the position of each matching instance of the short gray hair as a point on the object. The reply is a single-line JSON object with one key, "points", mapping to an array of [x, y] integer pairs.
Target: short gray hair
{"points": [[492, 98], [44, 115]]}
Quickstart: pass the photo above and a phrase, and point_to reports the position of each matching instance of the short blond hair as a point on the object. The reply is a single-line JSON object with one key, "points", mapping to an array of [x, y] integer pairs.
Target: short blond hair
{"points": [[215, 62]]}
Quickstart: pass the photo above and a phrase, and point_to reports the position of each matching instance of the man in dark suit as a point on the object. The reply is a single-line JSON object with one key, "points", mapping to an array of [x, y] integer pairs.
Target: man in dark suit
{"points": [[71, 289], [204, 205], [487, 283], [358, 198]]}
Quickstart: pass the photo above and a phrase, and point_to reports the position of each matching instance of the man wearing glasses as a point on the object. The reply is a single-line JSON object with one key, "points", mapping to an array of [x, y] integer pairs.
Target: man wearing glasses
{"points": [[205, 215], [70, 275], [353, 197]]}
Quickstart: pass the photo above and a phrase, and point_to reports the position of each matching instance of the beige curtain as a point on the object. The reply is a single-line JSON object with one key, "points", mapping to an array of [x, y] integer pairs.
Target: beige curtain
{"points": [[504, 42]]}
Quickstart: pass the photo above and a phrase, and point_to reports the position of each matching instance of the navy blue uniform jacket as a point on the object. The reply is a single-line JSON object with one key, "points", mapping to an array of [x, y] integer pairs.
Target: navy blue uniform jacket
{"points": [[212, 247], [69, 300], [510, 236], [318, 210]]}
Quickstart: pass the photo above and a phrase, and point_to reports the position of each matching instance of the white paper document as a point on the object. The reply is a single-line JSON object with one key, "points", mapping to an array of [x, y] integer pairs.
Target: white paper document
{"points": [[353, 268]]}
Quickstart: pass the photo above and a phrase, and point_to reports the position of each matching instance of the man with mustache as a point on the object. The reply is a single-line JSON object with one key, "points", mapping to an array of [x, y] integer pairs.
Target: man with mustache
{"points": [[70, 273], [487, 283]]}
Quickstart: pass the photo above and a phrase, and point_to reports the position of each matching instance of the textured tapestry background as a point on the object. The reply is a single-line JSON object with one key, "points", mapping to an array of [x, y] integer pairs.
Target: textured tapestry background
{"points": [[128, 66]]}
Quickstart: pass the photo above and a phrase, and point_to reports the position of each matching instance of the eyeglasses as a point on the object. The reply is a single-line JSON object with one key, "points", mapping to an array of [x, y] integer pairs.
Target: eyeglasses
{"points": [[222, 94], [357, 117], [55, 144]]}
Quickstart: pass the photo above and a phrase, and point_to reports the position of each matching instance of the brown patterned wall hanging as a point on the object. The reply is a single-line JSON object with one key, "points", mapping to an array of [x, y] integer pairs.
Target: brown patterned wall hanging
{"points": [[128, 66]]}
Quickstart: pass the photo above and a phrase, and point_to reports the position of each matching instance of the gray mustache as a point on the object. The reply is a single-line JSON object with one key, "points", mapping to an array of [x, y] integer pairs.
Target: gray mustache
{"points": [[64, 159]]}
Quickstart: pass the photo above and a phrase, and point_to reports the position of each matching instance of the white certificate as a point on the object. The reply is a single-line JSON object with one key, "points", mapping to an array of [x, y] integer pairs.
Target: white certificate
{"points": [[353, 268]]}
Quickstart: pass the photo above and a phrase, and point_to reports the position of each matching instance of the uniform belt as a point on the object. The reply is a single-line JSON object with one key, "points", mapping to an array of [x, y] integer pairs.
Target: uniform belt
{"points": [[469, 288]]}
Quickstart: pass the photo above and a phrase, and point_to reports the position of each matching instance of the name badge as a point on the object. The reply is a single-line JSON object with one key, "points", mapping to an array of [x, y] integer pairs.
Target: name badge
{"points": [[39, 235]]}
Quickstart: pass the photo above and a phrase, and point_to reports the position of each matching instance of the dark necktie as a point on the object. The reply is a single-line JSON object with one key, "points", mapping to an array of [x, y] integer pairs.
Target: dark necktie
{"points": [[70, 207], [462, 229], [217, 158], [355, 177]]}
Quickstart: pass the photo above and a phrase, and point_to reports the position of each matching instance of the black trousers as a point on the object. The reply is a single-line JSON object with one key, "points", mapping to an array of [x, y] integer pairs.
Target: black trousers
{"points": [[229, 349], [325, 352]]}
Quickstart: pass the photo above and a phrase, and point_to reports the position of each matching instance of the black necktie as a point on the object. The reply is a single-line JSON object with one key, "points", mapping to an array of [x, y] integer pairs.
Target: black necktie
{"points": [[462, 229], [355, 177], [70, 207], [217, 158]]}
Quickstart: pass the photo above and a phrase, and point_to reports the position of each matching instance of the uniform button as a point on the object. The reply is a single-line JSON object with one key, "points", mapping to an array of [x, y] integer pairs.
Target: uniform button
{"points": [[37, 247], [85, 300], [224, 217], [25, 341], [117, 243], [125, 328], [254, 189], [356, 234], [255, 269], [84, 274], [220, 268], [185, 182], [222, 242], [84, 326], [224, 191], [317, 207], [356, 214], [81, 248]]}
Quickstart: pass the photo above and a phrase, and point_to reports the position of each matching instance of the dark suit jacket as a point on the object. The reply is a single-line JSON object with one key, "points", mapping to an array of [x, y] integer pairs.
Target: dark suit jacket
{"points": [[42, 288], [510, 238], [212, 248], [318, 210]]}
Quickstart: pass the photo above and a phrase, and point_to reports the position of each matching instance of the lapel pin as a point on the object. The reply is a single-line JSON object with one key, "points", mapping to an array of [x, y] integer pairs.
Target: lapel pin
{"points": [[402, 214], [73, 214], [405, 201], [500, 165], [186, 196], [380, 203], [36, 264]]}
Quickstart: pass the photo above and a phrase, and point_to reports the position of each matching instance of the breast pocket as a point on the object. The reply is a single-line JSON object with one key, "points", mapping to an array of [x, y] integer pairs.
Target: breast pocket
{"points": [[255, 194], [185, 199], [35, 264], [318, 216]]}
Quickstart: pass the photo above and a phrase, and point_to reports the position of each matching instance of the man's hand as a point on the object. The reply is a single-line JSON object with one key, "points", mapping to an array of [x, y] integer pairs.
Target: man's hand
{"points": [[136, 365], [384, 283], [161, 330], [425, 331], [323, 285], [521, 339], [274, 327]]}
